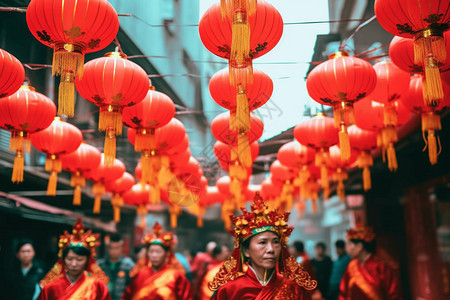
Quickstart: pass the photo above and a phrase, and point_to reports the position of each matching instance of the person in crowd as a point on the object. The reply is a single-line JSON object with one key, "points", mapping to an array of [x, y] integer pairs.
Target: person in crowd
{"points": [[163, 276], [198, 266], [116, 266], [76, 275], [367, 276], [298, 248], [139, 253], [339, 266], [322, 266], [260, 265], [22, 281], [219, 255]]}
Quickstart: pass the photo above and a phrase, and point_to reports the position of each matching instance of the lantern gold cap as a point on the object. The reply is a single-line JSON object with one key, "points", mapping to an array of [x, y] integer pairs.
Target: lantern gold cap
{"points": [[27, 87], [321, 114], [338, 54], [116, 54]]}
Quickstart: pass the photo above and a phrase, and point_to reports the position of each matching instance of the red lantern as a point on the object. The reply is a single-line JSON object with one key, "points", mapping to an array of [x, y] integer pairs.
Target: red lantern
{"points": [[339, 82], [112, 83], [223, 154], [156, 110], [101, 175], [431, 121], [363, 141], [425, 21], [12, 74], [269, 189], [23, 113], [339, 166], [138, 195], [179, 148], [72, 28], [58, 139], [392, 83], [320, 133], [297, 156], [84, 159], [118, 187]]}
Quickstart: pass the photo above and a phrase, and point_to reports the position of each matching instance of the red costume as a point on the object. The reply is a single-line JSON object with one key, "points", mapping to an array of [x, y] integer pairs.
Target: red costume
{"points": [[236, 280], [168, 282], [213, 267], [91, 285], [371, 280]]}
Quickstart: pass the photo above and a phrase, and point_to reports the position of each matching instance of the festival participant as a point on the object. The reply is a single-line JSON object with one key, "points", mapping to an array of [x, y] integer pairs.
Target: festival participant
{"points": [[76, 274], [367, 276], [219, 255], [162, 277], [260, 266]]}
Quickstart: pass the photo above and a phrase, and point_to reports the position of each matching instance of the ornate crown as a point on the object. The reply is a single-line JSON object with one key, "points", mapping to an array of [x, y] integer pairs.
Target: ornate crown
{"points": [[165, 239], [363, 233], [78, 238], [261, 219]]}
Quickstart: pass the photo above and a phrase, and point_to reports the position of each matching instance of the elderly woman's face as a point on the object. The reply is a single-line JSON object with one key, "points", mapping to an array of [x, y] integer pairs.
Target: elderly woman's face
{"points": [[264, 250]]}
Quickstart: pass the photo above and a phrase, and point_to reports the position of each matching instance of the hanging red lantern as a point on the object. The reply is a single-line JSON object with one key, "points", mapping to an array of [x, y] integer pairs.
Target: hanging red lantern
{"points": [[339, 167], [112, 83], [138, 195], [178, 148], [71, 28], [370, 115], [270, 190], [340, 82], [12, 74], [156, 110], [297, 156], [431, 121], [319, 133], [23, 113], [363, 141], [84, 159], [58, 139], [118, 187], [425, 21], [223, 154], [101, 175]]}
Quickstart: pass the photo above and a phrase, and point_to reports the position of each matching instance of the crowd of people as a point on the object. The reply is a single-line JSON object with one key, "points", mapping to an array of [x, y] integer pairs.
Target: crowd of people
{"points": [[261, 265]]}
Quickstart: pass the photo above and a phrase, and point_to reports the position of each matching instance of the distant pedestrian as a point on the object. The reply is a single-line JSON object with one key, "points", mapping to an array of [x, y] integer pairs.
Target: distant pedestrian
{"points": [[322, 266], [339, 266]]}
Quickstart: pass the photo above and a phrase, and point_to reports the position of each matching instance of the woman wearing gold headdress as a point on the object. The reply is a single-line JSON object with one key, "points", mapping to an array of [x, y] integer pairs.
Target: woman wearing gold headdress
{"points": [[260, 266], [76, 274]]}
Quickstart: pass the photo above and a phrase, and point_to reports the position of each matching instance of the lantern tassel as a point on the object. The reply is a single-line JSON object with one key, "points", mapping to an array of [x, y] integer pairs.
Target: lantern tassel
{"points": [[116, 213], [97, 204], [367, 181], [365, 160], [240, 37], [68, 57], [324, 176], [242, 120], [155, 195], [52, 181], [17, 172], [110, 149], [390, 115], [110, 119], [77, 196], [392, 157], [432, 147], [66, 94], [244, 151], [19, 141], [145, 141], [173, 220], [199, 221], [143, 221], [430, 123], [313, 206], [344, 143]]}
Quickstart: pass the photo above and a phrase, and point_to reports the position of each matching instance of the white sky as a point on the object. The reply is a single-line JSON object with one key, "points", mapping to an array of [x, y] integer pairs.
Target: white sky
{"points": [[285, 109]]}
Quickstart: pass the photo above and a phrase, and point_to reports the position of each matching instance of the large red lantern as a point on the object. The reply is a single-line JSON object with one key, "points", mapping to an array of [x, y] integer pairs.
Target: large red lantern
{"points": [[118, 187], [58, 139], [223, 153], [425, 21], [101, 175], [84, 159], [71, 28], [112, 83], [363, 141], [339, 82], [138, 195], [12, 74], [431, 121], [23, 113], [156, 110], [320, 133]]}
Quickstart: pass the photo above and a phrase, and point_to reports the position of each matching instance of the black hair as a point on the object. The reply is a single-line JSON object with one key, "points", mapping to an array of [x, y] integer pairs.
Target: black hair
{"points": [[77, 250], [299, 246], [23, 242], [368, 246], [321, 245], [340, 244], [137, 249], [217, 251], [115, 237], [162, 246]]}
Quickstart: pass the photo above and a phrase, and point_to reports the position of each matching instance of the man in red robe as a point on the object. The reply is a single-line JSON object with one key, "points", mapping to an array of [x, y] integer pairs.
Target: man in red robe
{"points": [[367, 276], [162, 277], [260, 266], [219, 255], [76, 275]]}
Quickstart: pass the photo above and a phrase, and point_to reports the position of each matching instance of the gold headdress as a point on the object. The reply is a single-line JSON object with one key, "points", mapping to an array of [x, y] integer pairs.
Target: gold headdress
{"points": [[260, 220], [158, 237], [362, 233]]}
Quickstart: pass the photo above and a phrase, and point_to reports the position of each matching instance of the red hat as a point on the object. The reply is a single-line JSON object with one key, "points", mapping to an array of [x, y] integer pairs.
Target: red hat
{"points": [[362, 233]]}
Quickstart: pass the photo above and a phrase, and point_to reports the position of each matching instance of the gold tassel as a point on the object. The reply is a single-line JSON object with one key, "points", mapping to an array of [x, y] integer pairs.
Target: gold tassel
{"points": [[244, 151], [97, 204], [110, 119], [341, 190], [52, 181], [155, 195], [392, 158], [367, 181], [344, 143], [324, 176], [146, 168], [430, 123], [77, 196], [430, 51], [143, 221], [66, 94], [365, 160], [20, 140], [116, 213], [109, 149], [390, 115], [242, 121], [145, 140], [240, 36], [432, 147], [240, 72], [98, 188], [68, 57], [199, 221], [173, 220], [388, 135], [52, 163], [326, 194], [17, 172], [343, 113]]}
